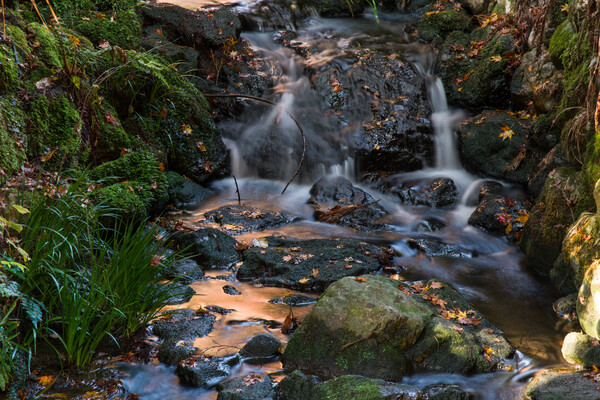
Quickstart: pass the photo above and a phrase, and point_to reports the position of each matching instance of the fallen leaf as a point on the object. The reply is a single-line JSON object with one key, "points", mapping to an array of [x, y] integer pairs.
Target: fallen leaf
{"points": [[496, 58], [304, 281], [315, 273], [259, 242], [287, 258], [506, 133], [45, 380], [360, 279], [436, 285], [290, 323]]}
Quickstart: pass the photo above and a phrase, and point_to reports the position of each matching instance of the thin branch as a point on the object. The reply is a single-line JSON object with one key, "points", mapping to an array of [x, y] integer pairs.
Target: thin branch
{"points": [[245, 96], [237, 190]]}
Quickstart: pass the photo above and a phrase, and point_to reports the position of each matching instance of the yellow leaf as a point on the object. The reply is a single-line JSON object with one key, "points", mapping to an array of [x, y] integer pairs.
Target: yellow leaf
{"points": [[45, 380], [522, 218], [460, 89], [20, 209], [565, 8], [506, 133], [201, 146], [186, 130], [315, 273], [496, 58], [508, 228], [304, 281], [377, 147]]}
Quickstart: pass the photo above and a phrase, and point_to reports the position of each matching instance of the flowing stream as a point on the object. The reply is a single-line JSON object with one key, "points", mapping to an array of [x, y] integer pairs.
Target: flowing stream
{"points": [[490, 272]]}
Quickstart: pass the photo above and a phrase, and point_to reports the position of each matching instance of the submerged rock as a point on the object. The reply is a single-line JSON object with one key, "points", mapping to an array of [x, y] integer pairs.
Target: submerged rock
{"points": [[186, 272], [184, 325], [336, 200], [439, 192], [308, 264], [561, 383], [248, 387], [182, 293], [582, 349], [172, 352], [231, 290], [209, 247], [387, 329], [205, 371]]}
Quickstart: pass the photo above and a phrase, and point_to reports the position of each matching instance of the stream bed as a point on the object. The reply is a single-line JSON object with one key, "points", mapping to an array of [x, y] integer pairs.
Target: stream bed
{"points": [[488, 270]]}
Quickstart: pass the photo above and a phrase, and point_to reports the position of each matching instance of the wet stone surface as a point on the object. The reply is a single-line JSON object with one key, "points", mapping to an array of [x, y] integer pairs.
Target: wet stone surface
{"points": [[439, 192], [246, 218], [185, 325]]}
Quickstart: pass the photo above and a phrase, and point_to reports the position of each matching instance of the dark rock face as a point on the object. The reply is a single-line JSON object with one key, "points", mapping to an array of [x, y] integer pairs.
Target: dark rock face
{"points": [[296, 386], [308, 264], [211, 247], [182, 293], [231, 290], [434, 247], [205, 371], [219, 310], [331, 192], [439, 192], [199, 29], [248, 218], [260, 348], [183, 193], [386, 329], [295, 300], [185, 325], [484, 151], [334, 8], [185, 272], [248, 387]]}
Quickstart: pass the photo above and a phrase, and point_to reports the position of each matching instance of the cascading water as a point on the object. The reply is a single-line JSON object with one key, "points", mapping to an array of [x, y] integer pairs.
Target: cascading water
{"points": [[264, 144]]}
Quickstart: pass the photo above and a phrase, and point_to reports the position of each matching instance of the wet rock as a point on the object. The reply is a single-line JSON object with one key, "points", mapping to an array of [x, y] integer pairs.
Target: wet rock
{"points": [[566, 308], [445, 392], [184, 193], [561, 383], [284, 36], [484, 151], [588, 301], [564, 196], [387, 329], [248, 387], [219, 309], [154, 41], [434, 247], [359, 387], [185, 325], [182, 293], [276, 14], [209, 247], [308, 264], [438, 192], [296, 386], [535, 80], [582, 349], [172, 352], [436, 26], [554, 159], [247, 218], [231, 290], [186, 272], [477, 75], [579, 252], [205, 371], [201, 28], [295, 300], [431, 224], [329, 194], [500, 214], [260, 349], [333, 8]]}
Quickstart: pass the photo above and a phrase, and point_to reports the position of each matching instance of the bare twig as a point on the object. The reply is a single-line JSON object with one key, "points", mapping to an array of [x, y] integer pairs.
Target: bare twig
{"points": [[245, 96], [237, 190]]}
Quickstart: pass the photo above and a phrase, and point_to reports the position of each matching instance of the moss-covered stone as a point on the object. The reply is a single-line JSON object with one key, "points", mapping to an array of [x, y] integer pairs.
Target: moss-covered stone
{"points": [[560, 383], [564, 196], [12, 126], [582, 349], [54, 123], [18, 38], [121, 197], [437, 26], [9, 73], [140, 174], [359, 387], [334, 8], [111, 138], [47, 46], [588, 300], [124, 30]]}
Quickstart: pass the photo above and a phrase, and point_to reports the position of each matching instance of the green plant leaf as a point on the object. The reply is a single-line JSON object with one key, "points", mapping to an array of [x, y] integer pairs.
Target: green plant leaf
{"points": [[20, 209], [16, 264]]}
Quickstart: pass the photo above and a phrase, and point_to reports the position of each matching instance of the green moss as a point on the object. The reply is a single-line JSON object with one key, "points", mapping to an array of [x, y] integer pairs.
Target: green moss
{"points": [[18, 38], [144, 176], [48, 49], [591, 162], [123, 198], [350, 387], [111, 138], [440, 24], [12, 124], [124, 30], [54, 123], [9, 73]]}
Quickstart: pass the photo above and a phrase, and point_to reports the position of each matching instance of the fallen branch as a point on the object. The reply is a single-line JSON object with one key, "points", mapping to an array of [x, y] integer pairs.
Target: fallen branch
{"points": [[245, 96]]}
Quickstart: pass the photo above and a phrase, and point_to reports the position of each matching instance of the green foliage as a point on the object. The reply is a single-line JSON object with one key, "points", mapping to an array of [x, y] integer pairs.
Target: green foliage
{"points": [[12, 127], [9, 74], [124, 30]]}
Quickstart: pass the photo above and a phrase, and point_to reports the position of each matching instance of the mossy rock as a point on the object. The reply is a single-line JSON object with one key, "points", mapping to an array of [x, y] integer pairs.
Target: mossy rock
{"points": [[563, 198], [588, 301], [560, 383], [436, 26], [122, 197], [54, 123], [139, 173], [591, 161], [378, 328], [9, 73], [111, 138], [124, 30], [359, 387], [334, 8], [48, 48], [580, 248], [582, 349], [12, 129]]}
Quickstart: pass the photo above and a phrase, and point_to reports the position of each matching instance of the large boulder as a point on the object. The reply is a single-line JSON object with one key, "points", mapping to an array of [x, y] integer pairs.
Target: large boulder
{"points": [[386, 329], [247, 387], [560, 383], [535, 80], [582, 349], [309, 264], [209, 247], [588, 302]]}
